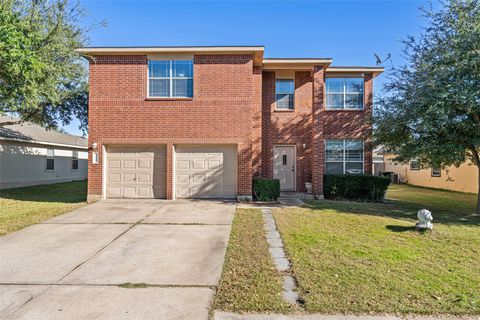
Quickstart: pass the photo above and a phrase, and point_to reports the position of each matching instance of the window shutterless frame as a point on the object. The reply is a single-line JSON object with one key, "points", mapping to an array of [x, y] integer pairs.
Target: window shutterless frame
{"points": [[50, 160], [170, 78], [414, 165], [290, 94], [436, 172], [344, 94], [344, 160], [74, 160]]}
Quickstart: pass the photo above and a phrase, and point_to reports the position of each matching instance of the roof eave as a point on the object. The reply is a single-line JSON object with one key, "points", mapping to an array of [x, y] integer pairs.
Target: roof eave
{"points": [[375, 71], [294, 64], [48, 143], [257, 51]]}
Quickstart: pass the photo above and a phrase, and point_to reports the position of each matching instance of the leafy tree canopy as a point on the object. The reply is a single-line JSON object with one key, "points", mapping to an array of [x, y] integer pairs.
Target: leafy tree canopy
{"points": [[431, 110], [42, 78]]}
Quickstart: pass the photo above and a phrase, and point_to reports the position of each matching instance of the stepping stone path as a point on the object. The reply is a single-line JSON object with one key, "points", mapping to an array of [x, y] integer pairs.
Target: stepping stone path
{"points": [[279, 257]]}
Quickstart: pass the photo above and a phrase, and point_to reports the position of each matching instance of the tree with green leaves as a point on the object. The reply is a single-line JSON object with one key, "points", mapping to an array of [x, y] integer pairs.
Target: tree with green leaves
{"points": [[42, 78], [430, 110]]}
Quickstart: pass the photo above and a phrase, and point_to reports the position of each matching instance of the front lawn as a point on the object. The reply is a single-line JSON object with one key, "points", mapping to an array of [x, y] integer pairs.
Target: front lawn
{"points": [[249, 281], [21, 207], [353, 257]]}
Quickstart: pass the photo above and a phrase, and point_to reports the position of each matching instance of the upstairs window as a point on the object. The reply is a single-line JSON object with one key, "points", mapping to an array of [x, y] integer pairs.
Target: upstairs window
{"points": [[170, 78], [344, 156], [74, 160], [344, 93], [50, 160], [284, 94], [436, 172]]}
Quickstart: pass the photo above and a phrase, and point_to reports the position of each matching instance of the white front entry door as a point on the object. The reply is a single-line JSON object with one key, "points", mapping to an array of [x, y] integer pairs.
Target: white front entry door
{"points": [[284, 167]]}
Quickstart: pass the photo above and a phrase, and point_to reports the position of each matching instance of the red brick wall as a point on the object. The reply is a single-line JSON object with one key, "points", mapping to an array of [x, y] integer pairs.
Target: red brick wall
{"points": [[288, 127], [233, 103], [219, 113], [311, 124], [338, 124], [318, 136], [257, 122]]}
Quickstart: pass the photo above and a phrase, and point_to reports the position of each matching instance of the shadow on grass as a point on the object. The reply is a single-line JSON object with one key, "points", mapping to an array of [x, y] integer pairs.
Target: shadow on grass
{"points": [[66, 192], [400, 228], [397, 209]]}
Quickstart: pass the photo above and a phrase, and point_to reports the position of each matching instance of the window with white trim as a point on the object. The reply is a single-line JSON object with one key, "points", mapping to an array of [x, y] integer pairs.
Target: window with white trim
{"points": [[344, 93], [285, 94], [170, 78], [436, 172], [50, 160], [344, 157], [74, 160]]}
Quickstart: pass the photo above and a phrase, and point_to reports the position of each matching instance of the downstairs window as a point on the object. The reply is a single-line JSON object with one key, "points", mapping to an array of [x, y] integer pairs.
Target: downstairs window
{"points": [[344, 157]]}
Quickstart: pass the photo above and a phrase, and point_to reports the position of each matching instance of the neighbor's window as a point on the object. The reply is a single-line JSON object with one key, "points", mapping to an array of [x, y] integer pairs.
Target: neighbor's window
{"points": [[74, 160], [50, 165], [344, 93], [344, 156], [284, 94], [436, 172], [414, 165], [170, 78]]}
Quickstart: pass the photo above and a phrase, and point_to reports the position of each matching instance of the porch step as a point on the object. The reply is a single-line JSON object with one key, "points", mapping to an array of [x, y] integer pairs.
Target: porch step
{"points": [[297, 195], [291, 201]]}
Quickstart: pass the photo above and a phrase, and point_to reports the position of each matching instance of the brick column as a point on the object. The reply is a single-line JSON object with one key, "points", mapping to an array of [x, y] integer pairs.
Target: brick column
{"points": [[169, 171], [257, 122], [244, 171], [368, 147], [318, 148], [268, 99]]}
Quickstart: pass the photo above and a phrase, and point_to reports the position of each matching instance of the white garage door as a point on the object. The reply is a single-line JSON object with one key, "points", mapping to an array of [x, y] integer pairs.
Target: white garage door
{"points": [[206, 171], [136, 172]]}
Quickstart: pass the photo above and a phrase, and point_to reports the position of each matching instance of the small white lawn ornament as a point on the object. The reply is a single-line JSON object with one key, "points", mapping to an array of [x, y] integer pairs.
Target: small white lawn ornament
{"points": [[424, 220]]}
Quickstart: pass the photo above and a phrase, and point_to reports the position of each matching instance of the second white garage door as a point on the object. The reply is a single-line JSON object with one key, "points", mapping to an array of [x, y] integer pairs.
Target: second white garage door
{"points": [[206, 171]]}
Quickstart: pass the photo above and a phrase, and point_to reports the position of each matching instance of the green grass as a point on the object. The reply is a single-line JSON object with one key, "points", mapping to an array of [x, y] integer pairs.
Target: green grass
{"points": [[351, 257], [249, 279], [21, 207]]}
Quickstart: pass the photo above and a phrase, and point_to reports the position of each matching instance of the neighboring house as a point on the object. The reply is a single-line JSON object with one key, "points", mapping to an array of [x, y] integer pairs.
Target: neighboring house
{"points": [[31, 155], [462, 178], [378, 163], [201, 122]]}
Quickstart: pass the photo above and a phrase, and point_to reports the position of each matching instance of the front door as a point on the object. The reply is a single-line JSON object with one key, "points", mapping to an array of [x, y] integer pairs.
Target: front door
{"points": [[284, 167]]}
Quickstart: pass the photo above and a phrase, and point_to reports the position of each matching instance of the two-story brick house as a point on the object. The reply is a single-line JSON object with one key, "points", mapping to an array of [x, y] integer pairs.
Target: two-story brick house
{"points": [[201, 122]]}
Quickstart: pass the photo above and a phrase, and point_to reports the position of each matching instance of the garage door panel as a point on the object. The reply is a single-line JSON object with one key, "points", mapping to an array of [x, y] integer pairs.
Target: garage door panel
{"points": [[144, 164], [205, 171], [136, 172], [144, 192], [144, 177], [129, 164], [114, 192], [214, 164], [114, 177]]}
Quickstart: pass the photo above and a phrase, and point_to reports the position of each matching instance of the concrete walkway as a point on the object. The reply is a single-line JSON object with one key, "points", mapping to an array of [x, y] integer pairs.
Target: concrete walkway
{"points": [[72, 266]]}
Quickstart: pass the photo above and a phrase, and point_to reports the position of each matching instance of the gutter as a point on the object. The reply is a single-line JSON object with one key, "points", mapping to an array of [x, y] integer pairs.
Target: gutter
{"points": [[45, 143]]}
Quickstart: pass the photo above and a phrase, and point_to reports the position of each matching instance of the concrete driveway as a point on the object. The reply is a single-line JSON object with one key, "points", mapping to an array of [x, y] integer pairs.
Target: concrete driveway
{"points": [[73, 266]]}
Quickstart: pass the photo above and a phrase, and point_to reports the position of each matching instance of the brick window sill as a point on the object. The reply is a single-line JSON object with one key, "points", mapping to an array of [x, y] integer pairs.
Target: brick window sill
{"points": [[168, 99], [284, 110], [343, 110]]}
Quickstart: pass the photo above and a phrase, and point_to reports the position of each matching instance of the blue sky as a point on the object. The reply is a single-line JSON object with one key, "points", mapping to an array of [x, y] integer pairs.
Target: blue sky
{"points": [[350, 32]]}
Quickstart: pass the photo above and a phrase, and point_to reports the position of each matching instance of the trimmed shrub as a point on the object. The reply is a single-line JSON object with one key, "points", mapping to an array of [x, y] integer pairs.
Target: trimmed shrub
{"points": [[266, 189], [355, 187]]}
